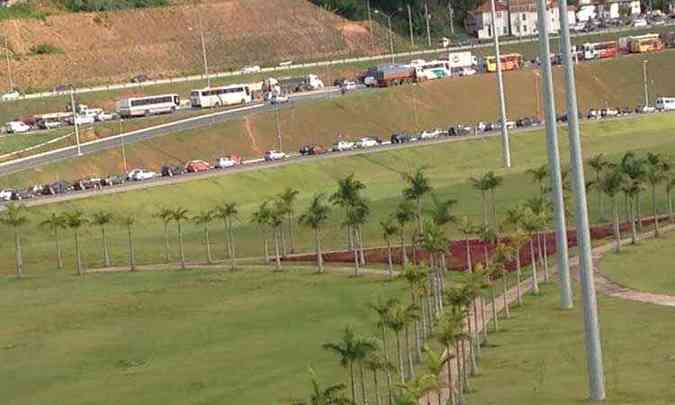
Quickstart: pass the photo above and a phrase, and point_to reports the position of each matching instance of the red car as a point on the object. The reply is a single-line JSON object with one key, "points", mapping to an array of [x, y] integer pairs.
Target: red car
{"points": [[196, 166]]}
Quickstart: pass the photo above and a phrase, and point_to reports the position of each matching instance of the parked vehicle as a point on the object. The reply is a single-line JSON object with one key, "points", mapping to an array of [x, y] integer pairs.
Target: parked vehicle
{"points": [[348, 85], [145, 106], [248, 70], [342, 146], [10, 96], [431, 134], [227, 161], [645, 109], [58, 187], [279, 99], [464, 59], [90, 183], [640, 23], [285, 85], [104, 116], [271, 155], [171, 170], [393, 75], [140, 175], [49, 124], [17, 127], [400, 138], [609, 112], [600, 50], [513, 61], [462, 71], [461, 130], [366, 143], [6, 195], [221, 96], [593, 114], [436, 69], [309, 150], [646, 45], [197, 166], [139, 79], [665, 103], [80, 119]]}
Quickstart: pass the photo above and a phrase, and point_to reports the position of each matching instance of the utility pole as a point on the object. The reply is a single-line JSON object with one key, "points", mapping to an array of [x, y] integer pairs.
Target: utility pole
{"points": [[644, 79], [206, 62], [451, 14], [9, 65], [410, 27], [506, 144], [595, 368], [276, 114], [557, 196], [370, 24], [75, 123], [124, 152], [427, 17]]}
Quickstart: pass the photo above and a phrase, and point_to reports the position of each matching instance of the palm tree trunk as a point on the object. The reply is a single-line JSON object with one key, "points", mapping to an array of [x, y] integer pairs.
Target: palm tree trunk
{"points": [[353, 383], [282, 235], [505, 284], [418, 204], [78, 257], [386, 359], [390, 263], [267, 250], [231, 250], [495, 318], [376, 387], [483, 320], [291, 230], [106, 253], [547, 277], [59, 254], [19, 253], [355, 252], [359, 238], [166, 243], [655, 211], [518, 279], [319, 258], [451, 385], [411, 368], [670, 204], [180, 246], [539, 250], [209, 258], [401, 367], [364, 394], [228, 250], [472, 351], [465, 374], [494, 208], [277, 251], [460, 367], [132, 258], [617, 229], [469, 265], [483, 201], [476, 331], [633, 226], [533, 259], [404, 256], [638, 212]]}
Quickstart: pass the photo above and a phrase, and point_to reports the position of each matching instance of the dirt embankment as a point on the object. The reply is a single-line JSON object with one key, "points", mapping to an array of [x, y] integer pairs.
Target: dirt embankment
{"points": [[94, 48]]}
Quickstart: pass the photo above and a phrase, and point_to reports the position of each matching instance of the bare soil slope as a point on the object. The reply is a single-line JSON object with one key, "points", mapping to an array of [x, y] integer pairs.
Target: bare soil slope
{"points": [[163, 42]]}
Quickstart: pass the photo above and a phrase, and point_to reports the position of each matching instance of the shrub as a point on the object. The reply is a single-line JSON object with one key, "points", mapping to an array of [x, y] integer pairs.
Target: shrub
{"points": [[111, 5], [21, 10], [44, 49]]}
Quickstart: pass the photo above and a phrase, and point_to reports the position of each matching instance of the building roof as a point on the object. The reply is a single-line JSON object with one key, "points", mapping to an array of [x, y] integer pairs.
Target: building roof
{"points": [[487, 8]]}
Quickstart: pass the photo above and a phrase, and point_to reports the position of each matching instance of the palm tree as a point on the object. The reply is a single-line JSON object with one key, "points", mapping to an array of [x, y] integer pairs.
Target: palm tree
{"points": [[389, 230], [205, 218], [655, 173], [405, 213], [276, 220], [365, 347], [418, 187], [129, 221], [467, 228], [288, 198], [411, 315], [433, 363], [531, 224], [539, 175], [346, 196], [180, 215], [76, 220], [517, 240], [543, 209], [416, 388], [610, 183], [504, 254], [316, 216], [101, 219], [396, 322], [332, 395], [598, 163], [449, 329], [494, 182], [357, 217], [670, 184], [377, 362], [228, 213], [384, 312], [261, 218], [634, 167], [349, 350], [166, 216], [15, 217], [441, 217], [488, 236], [54, 223], [483, 185]]}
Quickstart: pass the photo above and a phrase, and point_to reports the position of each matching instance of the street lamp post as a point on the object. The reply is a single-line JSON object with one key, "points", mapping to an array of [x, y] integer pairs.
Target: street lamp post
{"points": [[595, 368], [276, 114], [75, 123], [391, 33], [506, 144], [9, 65], [554, 157], [644, 79], [427, 17], [410, 27]]}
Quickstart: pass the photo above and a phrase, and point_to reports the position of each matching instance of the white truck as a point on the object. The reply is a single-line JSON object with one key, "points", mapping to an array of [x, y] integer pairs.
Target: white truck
{"points": [[285, 85], [17, 127]]}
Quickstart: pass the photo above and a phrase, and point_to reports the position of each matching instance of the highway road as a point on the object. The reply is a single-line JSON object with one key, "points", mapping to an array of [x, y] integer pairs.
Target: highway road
{"points": [[180, 125]]}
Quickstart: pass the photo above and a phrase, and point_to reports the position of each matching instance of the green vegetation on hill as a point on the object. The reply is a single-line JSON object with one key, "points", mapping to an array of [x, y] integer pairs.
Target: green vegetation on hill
{"points": [[111, 5], [630, 269]]}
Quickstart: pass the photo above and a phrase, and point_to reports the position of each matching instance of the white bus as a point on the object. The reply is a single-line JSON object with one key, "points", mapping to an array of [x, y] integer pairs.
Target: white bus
{"points": [[144, 106], [436, 69], [221, 96], [665, 103]]}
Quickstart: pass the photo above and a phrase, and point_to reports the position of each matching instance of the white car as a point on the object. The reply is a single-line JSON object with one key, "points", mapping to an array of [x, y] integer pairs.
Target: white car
{"points": [[140, 175], [12, 95], [271, 155], [279, 99], [417, 62], [228, 161], [647, 109], [47, 124], [366, 143], [348, 85], [342, 146], [639, 23], [5, 195], [434, 133], [17, 127], [104, 116], [81, 120], [249, 70]]}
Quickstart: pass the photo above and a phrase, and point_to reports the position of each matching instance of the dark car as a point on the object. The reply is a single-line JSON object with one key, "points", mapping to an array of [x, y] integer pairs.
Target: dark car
{"points": [[113, 180], [87, 184], [308, 150], [400, 138], [459, 130], [172, 170], [139, 79], [524, 122], [58, 187], [19, 195]]}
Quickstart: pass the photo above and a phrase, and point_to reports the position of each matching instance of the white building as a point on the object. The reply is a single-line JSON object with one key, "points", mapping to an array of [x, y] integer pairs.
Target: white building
{"points": [[609, 9], [523, 19], [479, 21]]}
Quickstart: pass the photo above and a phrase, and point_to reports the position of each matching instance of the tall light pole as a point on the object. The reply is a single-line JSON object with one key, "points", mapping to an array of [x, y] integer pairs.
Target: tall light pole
{"points": [[427, 17], [370, 23], [391, 33], [595, 368], [554, 157], [506, 144], [206, 62], [276, 114], [410, 27], [9, 65], [644, 79], [124, 152], [75, 123], [451, 14]]}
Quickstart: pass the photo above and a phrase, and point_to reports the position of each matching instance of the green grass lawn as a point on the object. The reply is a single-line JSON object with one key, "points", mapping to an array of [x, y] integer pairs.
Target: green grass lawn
{"points": [[449, 168], [539, 358], [12, 143], [190, 337], [628, 268]]}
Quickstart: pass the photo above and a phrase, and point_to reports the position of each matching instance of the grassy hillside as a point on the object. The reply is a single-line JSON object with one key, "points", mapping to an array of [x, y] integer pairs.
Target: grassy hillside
{"points": [[449, 167], [110, 47], [380, 112]]}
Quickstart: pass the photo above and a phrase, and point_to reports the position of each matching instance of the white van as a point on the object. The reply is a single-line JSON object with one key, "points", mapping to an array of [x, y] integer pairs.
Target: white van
{"points": [[15, 127], [665, 103]]}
